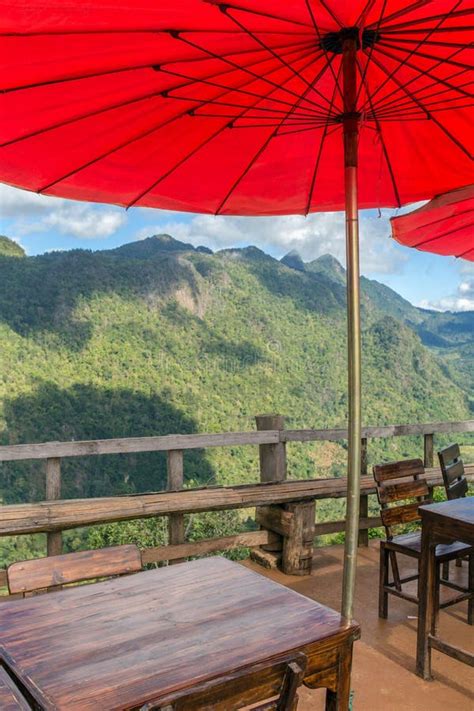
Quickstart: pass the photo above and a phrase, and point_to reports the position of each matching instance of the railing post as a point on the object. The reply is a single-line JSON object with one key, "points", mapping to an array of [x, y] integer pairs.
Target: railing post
{"points": [[54, 540], [428, 450], [364, 498], [272, 456], [175, 482], [272, 468]]}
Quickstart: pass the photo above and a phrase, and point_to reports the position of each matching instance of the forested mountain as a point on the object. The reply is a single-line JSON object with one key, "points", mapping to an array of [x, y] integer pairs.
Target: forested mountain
{"points": [[157, 337]]}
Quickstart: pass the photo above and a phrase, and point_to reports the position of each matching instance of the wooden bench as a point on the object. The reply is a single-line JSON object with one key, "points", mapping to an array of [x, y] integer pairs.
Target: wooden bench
{"points": [[11, 699], [46, 573]]}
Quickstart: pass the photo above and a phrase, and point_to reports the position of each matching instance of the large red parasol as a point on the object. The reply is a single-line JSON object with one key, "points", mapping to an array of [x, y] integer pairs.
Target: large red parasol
{"points": [[252, 107], [445, 225]]}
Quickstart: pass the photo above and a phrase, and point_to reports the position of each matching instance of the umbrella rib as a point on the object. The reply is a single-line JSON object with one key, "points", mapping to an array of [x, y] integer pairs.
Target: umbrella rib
{"points": [[385, 151], [112, 107], [183, 160], [431, 117], [431, 83], [422, 20], [392, 46], [224, 6], [406, 40], [144, 31], [79, 78], [331, 13], [416, 30], [424, 72], [239, 67], [124, 144], [280, 59], [445, 234], [318, 32], [320, 151], [259, 153], [403, 11], [121, 104], [401, 102], [405, 60], [368, 7], [369, 57]]}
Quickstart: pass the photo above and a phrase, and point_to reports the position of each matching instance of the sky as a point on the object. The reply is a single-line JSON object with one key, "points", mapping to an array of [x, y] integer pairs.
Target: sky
{"points": [[43, 224]]}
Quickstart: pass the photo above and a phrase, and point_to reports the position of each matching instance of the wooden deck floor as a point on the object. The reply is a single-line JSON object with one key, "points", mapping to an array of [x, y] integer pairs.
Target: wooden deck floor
{"points": [[383, 676]]}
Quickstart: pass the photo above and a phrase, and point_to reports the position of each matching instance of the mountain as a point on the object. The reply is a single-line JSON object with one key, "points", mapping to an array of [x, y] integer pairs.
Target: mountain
{"points": [[158, 337], [9, 248]]}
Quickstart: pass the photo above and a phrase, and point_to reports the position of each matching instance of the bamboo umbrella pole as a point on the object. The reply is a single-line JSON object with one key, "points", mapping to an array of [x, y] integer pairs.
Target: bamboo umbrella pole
{"points": [[351, 134]]}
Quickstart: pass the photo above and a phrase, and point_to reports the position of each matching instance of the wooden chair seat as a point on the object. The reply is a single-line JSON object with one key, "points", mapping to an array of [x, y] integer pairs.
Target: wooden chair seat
{"points": [[11, 699], [410, 544]]}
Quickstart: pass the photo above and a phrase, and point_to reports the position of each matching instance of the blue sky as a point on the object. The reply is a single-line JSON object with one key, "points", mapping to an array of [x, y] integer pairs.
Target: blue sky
{"points": [[42, 224]]}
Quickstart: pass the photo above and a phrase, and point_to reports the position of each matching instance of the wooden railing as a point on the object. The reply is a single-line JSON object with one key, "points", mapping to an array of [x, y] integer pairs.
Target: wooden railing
{"points": [[285, 508]]}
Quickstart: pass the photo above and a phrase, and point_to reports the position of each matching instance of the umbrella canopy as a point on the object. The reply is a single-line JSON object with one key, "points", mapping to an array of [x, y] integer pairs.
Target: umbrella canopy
{"points": [[445, 225], [248, 107], [234, 108]]}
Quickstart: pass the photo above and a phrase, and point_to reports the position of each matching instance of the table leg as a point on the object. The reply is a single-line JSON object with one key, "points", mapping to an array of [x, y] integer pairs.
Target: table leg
{"points": [[427, 602], [338, 700]]}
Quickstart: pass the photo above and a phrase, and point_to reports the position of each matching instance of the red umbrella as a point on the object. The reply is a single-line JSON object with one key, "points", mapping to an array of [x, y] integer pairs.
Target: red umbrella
{"points": [[445, 225], [249, 107]]}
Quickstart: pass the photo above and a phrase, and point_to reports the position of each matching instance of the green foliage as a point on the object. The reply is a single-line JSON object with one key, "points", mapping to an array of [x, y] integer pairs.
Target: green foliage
{"points": [[156, 337]]}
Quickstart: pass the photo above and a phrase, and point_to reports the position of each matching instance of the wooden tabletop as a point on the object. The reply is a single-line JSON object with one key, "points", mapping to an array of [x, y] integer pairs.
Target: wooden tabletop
{"points": [[458, 510], [119, 643]]}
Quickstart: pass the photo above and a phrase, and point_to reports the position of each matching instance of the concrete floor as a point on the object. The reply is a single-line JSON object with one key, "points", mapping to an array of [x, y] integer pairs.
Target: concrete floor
{"points": [[383, 677]]}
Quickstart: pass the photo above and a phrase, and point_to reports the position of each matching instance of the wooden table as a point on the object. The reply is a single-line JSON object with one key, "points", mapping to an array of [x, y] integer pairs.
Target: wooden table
{"points": [[441, 523], [121, 643]]}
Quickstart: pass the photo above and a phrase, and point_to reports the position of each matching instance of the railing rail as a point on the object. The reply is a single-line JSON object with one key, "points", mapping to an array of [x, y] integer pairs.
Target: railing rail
{"points": [[283, 506], [166, 443]]}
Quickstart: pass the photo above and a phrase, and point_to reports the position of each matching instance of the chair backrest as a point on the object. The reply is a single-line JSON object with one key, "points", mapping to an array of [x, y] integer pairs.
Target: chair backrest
{"points": [[452, 469], [39, 573], [272, 686], [400, 492]]}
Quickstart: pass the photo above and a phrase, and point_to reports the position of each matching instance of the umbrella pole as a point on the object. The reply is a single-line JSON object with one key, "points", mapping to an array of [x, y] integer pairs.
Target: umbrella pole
{"points": [[351, 134]]}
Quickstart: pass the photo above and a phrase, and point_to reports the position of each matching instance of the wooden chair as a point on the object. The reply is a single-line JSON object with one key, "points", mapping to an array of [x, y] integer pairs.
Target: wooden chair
{"points": [[401, 489], [452, 469], [455, 482], [11, 698], [272, 686], [49, 573]]}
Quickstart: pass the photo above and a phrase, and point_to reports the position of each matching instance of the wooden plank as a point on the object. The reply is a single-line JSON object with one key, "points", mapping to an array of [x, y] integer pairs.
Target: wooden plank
{"points": [[211, 545], [402, 490], [56, 515], [400, 514], [454, 470], [134, 444], [272, 456], [274, 518], [297, 556], [398, 470], [428, 446], [310, 435], [11, 698], [363, 539], [175, 468], [127, 445], [54, 541], [322, 529], [450, 453], [39, 573]]}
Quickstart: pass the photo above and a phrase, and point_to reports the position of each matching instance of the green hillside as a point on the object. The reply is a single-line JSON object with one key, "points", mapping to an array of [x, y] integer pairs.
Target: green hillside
{"points": [[157, 337]]}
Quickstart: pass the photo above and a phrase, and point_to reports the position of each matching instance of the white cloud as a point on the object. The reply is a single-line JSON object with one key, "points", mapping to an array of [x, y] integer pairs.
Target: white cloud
{"points": [[311, 236], [461, 300], [39, 213]]}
